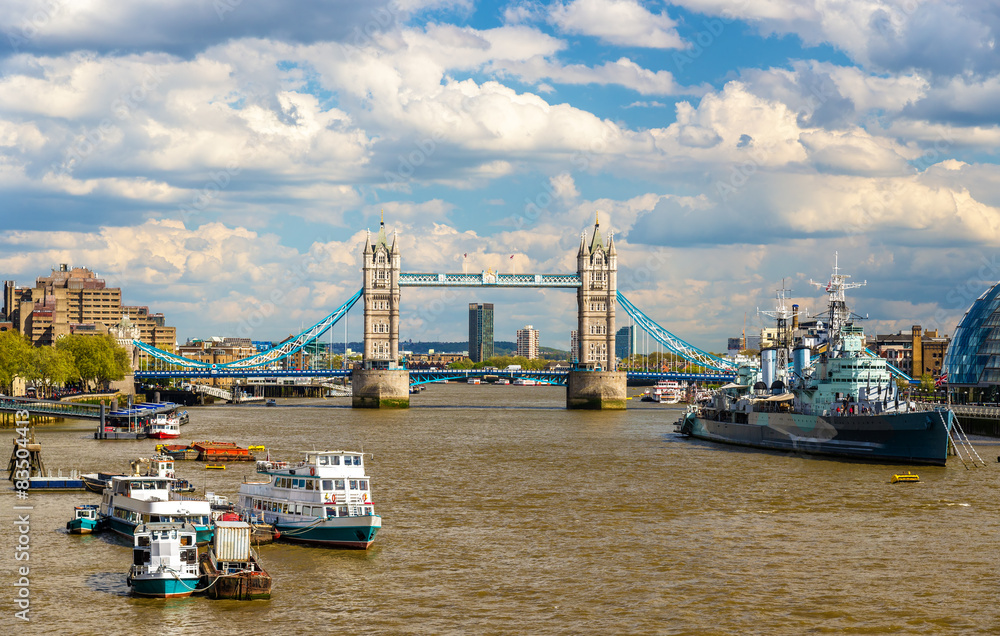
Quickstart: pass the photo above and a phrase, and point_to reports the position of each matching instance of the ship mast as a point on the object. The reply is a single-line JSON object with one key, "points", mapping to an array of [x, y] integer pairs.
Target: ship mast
{"points": [[782, 315], [840, 314]]}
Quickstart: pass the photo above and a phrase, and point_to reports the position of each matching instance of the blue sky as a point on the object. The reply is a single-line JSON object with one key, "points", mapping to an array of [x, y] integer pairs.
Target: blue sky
{"points": [[221, 161]]}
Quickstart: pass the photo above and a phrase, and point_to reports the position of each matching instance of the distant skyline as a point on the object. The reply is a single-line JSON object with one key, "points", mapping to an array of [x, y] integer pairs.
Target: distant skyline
{"points": [[220, 162]]}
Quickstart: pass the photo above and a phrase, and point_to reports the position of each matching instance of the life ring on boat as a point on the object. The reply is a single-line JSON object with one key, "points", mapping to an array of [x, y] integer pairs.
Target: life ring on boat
{"points": [[312, 471], [364, 497]]}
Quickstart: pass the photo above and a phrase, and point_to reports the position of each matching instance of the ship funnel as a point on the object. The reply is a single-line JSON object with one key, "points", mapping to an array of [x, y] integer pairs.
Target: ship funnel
{"points": [[795, 317]]}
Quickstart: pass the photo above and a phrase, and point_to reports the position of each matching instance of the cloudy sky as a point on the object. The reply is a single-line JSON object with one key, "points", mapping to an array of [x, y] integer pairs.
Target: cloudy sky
{"points": [[220, 160]]}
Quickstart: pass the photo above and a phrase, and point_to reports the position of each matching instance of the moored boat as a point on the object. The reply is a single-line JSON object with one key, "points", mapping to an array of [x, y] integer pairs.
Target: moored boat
{"points": [[85, 520], [845, 403], [222, 451], [164, 560], [230, 568], [164, 426], [133, 500], [178, 451], [324, 500]]}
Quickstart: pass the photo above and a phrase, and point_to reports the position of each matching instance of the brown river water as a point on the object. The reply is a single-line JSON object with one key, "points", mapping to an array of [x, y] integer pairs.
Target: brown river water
{"points": [[503, 513]]}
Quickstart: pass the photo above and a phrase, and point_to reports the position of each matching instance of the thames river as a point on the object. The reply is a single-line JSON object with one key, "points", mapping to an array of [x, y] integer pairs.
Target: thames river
{"points": [[503, 513]]}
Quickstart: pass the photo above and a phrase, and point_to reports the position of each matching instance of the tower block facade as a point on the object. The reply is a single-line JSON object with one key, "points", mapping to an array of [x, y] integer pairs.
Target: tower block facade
{"points": [[381, 296], [597, 265]]}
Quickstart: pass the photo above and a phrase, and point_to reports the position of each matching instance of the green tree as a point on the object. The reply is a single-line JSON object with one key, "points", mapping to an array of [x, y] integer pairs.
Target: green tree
{"points": [[99, 359], [15, 358], [462, 365], [52, 366], [927, 382]]}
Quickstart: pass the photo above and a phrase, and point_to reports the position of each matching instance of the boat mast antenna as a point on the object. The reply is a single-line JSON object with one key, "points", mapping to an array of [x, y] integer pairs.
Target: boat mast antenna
{"points": [[840, 314]]}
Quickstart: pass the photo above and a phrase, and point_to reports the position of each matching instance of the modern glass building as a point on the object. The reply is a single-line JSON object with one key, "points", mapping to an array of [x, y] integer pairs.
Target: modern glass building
{"points": [[480, 331], [625, 342], [973, 359]]}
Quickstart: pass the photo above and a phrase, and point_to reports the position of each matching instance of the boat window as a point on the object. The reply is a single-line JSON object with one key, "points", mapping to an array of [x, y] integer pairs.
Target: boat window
{"points": [[357, 460], [189, 555], [186, 539], [335, 460], [354, 484], [323, 460], [143, 541], [311, 484], [331, 511], [139, 557], [284, 508], [327, 484], [296, 509], [363, 484], [342, 511], [338, 484]]}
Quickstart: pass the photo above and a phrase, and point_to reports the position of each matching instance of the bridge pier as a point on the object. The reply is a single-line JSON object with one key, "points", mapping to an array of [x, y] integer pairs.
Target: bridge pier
{"points": [[596, 390], [380, 388]]}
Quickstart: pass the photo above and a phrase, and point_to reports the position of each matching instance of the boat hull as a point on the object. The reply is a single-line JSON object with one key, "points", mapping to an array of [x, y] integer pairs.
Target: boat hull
{"points": [[908, 438], [162, 586], [164, 435], [342, 532], [82, 526], [246, 586]]}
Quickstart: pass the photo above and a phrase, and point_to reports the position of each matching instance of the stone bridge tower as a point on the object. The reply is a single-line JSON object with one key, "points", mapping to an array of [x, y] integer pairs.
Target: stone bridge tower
{"points": [[381, 296], [597, 264]]}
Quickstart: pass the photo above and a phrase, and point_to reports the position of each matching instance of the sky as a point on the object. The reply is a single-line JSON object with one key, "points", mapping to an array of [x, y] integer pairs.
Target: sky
{"points": [[222, 160]]}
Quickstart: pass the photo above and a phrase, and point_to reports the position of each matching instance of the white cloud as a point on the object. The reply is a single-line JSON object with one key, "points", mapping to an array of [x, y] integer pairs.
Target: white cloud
{"points": [[619, 22]]}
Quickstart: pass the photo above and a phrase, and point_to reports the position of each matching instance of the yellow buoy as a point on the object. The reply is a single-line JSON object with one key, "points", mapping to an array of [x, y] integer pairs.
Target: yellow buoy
{"points": [[907, 477], [215, 467]]}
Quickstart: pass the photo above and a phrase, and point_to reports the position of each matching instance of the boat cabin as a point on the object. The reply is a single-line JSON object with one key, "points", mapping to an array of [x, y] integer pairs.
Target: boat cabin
{"points": [[172, 546], [88, 511]]}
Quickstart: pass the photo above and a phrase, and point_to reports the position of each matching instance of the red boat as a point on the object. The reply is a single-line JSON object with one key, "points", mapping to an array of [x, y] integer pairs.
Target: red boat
{"points": [[164, 427], [222, 451]]}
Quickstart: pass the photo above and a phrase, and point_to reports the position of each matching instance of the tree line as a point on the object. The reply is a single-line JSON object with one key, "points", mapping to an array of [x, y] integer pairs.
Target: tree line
{"points": [[93, 361]]}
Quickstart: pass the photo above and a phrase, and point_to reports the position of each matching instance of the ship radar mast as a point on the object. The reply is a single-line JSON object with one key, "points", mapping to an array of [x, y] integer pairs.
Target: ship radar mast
{"points": [[782, 314], [840, 314]]}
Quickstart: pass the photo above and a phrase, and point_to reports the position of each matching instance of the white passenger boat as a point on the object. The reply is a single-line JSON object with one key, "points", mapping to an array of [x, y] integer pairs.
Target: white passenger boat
{"points": [[323, 500], [164, 560], [132, 500], [525, 382]]}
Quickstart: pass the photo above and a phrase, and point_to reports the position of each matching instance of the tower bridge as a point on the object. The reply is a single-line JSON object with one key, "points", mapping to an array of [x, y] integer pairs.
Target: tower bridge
{"points": [[382, 380]]}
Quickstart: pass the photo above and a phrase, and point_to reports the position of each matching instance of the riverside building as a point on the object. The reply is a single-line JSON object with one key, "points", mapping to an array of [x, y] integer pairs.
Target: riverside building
{"points": [[74, 300]]}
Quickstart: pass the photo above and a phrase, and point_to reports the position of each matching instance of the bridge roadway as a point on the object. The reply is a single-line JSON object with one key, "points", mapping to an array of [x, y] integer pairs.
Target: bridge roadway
{"points": [[419, 376]]}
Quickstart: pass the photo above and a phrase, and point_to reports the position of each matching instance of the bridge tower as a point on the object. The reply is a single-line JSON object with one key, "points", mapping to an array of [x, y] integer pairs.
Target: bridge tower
{"points": [[597, 265], [596, 383], [381, 383], [381, 285]]}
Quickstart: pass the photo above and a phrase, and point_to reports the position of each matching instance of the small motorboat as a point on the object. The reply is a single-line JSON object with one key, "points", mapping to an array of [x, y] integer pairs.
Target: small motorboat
{"points": [[85, 520], [271, 403]]}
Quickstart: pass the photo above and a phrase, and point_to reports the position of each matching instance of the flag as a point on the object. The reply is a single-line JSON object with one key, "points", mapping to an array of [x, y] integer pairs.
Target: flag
{"points": [[466, 255], [942, 380], [512, 256]]}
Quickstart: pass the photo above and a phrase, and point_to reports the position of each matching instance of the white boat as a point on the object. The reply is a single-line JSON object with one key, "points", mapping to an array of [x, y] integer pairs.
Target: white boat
{"points": [[474, 381], [503, 381], [164, 560], [525, 382], [133, 500], [665, 392], [164, 426], [323, 500]]}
